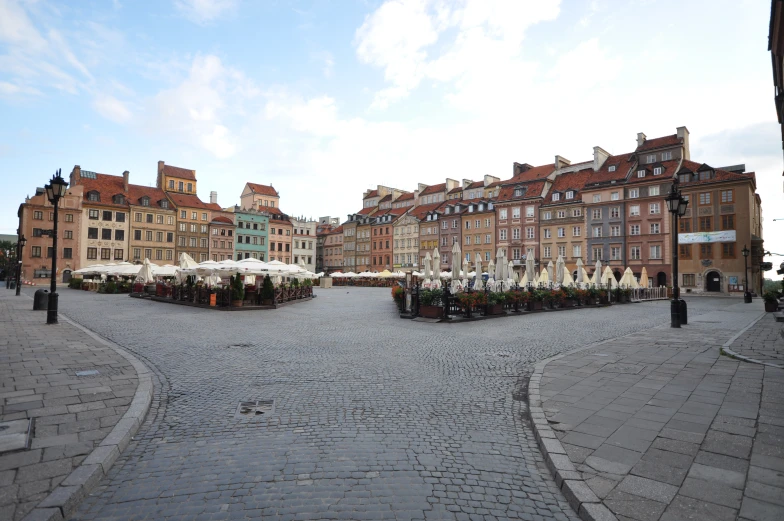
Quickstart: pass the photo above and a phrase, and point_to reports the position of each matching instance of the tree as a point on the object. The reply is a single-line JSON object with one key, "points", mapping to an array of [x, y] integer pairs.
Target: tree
{"points": [[7, 258]]}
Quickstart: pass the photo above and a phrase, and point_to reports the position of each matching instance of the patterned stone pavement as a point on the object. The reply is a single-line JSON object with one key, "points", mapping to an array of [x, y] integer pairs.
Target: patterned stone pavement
{"points": [[763, 342], [374, 417], [660, 426], [73, 414]]}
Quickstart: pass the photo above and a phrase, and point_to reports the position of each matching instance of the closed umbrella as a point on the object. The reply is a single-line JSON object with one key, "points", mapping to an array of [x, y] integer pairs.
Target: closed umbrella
{"points": [[524, 281], [491, 271], [544, 277], [436, 262], [609, 278], [187, 262], [559, 270], [145, 273], [567, 279], [550, 271], [644, 278], [478, 284], [627, 280], [466, 268], [530, 267], [580, 271], [427, 266], [597, 273], [455, 260], [499, 265], [511, 276]]}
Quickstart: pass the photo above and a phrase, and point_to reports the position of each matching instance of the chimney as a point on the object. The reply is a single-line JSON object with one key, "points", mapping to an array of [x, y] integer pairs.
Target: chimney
{"points": [[451, 184], [561, 162], [159, 182], [683, 134], [600, 155], [214, 197], [489, 179], [76, 175], [125, 181], [640, 139], [466, 182], [519, 168]]}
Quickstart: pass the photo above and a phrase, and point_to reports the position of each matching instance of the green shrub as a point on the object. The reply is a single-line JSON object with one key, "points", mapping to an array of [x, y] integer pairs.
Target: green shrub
{"points": [[75, 283], [431, 297], [267, 289], [496, 297], [294, 283], [111, 287]]}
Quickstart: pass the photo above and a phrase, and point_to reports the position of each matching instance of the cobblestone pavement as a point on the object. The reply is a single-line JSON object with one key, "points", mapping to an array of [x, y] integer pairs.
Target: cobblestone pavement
{"points": [[374, 417], [660, 426], [73, 414], [763, 342]]}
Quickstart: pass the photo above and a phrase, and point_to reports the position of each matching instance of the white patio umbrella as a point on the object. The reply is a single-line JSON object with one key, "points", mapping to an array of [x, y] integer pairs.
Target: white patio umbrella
{"points": [[167, 270], [510, 273], [608, 277], [478, 283], [145, 273], [428, 270], [186, 261], [559, 270], [491, 271], [550, 271], [436, 262], [627, 280], [544, 277], [644, 278], [456, 260], [350, 275], [516, 277], [524, 281], [580, 271], [499, 265], [567, 279], [530, 267], [597, 272]]}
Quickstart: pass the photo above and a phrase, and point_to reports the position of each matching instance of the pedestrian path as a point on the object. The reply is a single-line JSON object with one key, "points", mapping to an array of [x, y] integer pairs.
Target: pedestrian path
{"points": [[83, 396], [763, 343], [659, 426]]}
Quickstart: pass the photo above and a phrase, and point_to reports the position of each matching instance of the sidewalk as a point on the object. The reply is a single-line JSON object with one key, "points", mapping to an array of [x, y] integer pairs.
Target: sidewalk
{"points": [[658, 425], [86, 401]]}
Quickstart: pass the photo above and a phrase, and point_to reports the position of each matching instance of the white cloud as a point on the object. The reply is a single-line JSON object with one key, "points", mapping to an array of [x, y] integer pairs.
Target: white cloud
{"points": [[111, 108], [204, 11]]}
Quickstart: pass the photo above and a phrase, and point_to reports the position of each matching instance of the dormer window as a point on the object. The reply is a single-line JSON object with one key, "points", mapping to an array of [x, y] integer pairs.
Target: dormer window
{"points": [[470, 207], [650, 158], [570, 194], [481, 206], [164, 203], [518, 192], [556, 196], [611, 169], [93, 196], [145, 201], [447, 210], [666, 156], [684, 178], [705, 175], [118, 199], [659, 170], [641, 173]]}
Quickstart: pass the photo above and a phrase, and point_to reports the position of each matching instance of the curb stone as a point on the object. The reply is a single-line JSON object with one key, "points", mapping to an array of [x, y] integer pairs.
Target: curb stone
{"points": [[65, 498], [725, 349]]}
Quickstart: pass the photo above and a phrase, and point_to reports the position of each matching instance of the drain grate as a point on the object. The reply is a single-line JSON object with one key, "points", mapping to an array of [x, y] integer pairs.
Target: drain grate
{"points": [[254, 409]]}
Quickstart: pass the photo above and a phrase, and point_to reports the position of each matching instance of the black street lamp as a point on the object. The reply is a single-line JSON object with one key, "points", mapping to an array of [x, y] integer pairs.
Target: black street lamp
{"points": [[676, 204], [20, 243], [54, 191], [746, 293]]}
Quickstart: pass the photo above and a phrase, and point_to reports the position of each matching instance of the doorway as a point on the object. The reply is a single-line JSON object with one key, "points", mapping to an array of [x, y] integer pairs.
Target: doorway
{"points": [[713, 282], [66, 275], [661, 279]]}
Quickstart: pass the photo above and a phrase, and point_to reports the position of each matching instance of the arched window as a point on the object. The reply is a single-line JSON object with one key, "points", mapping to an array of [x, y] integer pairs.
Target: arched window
{"points": [[93, 196]]}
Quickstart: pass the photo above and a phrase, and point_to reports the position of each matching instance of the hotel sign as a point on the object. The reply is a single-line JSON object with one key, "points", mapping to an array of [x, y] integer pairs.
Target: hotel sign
{"points": [[696, 238]]}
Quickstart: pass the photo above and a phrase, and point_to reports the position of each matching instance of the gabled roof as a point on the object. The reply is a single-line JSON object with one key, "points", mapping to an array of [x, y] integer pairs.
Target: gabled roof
{"points": [[107, 187], [532, 174], [222, 220], [669, 169], [455, 190], [533, 190], [421, 211], [180, 173], [367, 211], [136, 192], [191, 201], [720, 175], [372, 193], [434, 189], [408, 196], [386, 198], [650, 144], [568, 181], [476, 184], [337, 231], [622, 164], [263, 189]]}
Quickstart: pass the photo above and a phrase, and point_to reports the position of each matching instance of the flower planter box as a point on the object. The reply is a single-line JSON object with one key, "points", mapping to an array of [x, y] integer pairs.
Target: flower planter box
{"points": [[535, 306], [568, 303], [236, 303], [266, 302], [604, 301], [771, 306], [495, 309], [431, 311]]}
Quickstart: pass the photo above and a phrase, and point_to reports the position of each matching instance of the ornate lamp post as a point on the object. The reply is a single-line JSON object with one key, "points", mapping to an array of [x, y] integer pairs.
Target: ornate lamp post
{"points": [[20, 243], [54, 191], [746, 293], [676, 204]]}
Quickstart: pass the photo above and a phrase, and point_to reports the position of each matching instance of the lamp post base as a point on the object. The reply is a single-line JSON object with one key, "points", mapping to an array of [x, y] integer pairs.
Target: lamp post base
{"points": [[51, 312], [747, 297], [675, 313]]}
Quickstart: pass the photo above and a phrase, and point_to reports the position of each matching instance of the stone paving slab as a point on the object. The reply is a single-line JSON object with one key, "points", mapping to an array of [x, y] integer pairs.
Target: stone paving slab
{"points": [[74, 416], [763, 344], [658, 425]]}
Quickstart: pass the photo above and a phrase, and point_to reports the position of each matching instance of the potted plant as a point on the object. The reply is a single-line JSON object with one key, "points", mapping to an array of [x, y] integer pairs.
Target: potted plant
{"points": [[771, 299], [398, 295], [570, 297], [582, 296], [536, 299], [430, 303], [267, 291], [237, 291], [604, 296], [495, 303]]}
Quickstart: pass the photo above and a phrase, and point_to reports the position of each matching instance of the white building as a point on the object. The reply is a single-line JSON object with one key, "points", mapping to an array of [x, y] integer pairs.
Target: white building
{"points": [[304, 242]]}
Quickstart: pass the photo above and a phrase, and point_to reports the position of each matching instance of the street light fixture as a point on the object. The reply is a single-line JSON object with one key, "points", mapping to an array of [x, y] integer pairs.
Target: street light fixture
{"points": [[677, 205], [20, 244], [746, 293], [55, 190]]}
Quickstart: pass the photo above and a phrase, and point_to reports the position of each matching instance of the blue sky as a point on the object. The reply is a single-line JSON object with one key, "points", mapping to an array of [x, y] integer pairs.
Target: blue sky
{"points": [[325, 99]]}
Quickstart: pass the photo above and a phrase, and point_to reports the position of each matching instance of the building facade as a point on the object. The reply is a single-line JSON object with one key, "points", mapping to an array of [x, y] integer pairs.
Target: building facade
{"points": [[251, 232], [260, 197], [152, 225], [304, 242], [280, 235], [405, 244], [333, 250], [221, 236], [325, 225]]}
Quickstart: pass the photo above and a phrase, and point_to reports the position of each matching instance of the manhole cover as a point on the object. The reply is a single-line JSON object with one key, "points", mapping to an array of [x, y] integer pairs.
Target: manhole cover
{"points": [[623, 368], [254, 409], [91, 372]]}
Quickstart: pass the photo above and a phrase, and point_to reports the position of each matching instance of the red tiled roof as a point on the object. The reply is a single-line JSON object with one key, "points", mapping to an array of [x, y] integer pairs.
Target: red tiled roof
{"points": [[372, 193], [650, 144], [568, 181], [367, 211], [669, 170], [455, 190], [180, 173], [191, 201], [476, 184], [720, 175], [622, 164], [532, 190], [336, 231], [405, 197], [421, 211], [263, 190], [222, 220], [107, 187], [386, 198], [532, 174], [136, 192], [434, 189]]}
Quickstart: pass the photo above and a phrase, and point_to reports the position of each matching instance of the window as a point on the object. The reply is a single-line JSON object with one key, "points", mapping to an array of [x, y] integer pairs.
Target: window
{"points": [[192, 242], [516, 213], [118, 254], [529, 211], [570, 194], [515, 233], [193, 228], [468, 225], [502, 213], [502, 234], [169, 237], [518, 192], [597, 231], [477, 224], [39, 215], [655, 251], [726, 196], [634, 193], [705, 224], [689, 279], [562, 251], [634, 210], [203, 228], [92, 214], [529, 233], [705, 198], [92, 233], [653, 190], [615, 212], [454, 223], [728, 250], [67, 234], [547, 251], [597, 254], [106, 253], [634, 229], [148, 235], [577, 212], [615, 253], [92, 253], [203, 216], [684, 251], [576, 250], [611, 168], [634, 253], [666, 156], [561, 232], [654, 208], [137, 217], [684, 178], [615, 230], [706, 251], [650, 158], [641, 173], [169, 255], [106, 234], [576, 231], [597, 198], [148, 218], [684, 225], [487, 256], [556, 196], [93, 196], [158, 236], [655, 228], [658, 170], [705, 175], [547, 233], [183, 214], [137, 235], [468, 240], [548, 216], [119, 235], [728, 222], [561, 214], [69, 218], [596, 214], [164, 203], [487, 238]]}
